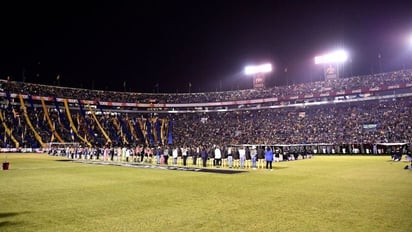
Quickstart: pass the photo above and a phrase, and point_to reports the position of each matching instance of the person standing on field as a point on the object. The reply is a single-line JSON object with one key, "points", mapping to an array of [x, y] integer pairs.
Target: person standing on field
{"points": [[230, 157], [242, 156], [253, 156], [203, 154], [269, 158], [158, 153], [175, 154], [184, 151], [105, 153], [166, 154], [195, 154], [218, 157]]}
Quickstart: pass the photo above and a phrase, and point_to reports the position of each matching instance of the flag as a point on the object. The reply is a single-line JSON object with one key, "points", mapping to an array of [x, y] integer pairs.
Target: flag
{"points": [[138, 131], [170, 133], [149, 131], [158, 131], [58, 80], [162, 131]]}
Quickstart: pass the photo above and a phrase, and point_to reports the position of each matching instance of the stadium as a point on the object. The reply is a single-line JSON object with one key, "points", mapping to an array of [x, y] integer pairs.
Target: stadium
{"points": [[300, 144], [343, 116], [361, 115], [354, 115]]}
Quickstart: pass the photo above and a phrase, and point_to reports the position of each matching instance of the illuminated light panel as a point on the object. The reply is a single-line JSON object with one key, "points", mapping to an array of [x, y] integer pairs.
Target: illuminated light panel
{"points": [[254, 69], [334, 57]]}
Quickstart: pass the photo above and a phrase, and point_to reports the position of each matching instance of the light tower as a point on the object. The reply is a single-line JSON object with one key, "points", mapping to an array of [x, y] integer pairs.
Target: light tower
{"points": [[259, 73], [331, 63], [410, 40], [410, 48]]}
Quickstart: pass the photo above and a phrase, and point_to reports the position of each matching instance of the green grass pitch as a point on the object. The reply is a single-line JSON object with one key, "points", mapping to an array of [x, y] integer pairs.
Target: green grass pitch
{"points": [[325, 193]]}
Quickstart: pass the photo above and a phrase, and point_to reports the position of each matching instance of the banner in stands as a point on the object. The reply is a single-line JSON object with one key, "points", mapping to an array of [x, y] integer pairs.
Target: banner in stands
{"points": [[223, 103], [21, 150]]}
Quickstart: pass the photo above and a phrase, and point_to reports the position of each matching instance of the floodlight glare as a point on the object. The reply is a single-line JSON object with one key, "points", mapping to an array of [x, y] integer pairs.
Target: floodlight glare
{"points": [[410, 40], [255, 69], [339, 56]]}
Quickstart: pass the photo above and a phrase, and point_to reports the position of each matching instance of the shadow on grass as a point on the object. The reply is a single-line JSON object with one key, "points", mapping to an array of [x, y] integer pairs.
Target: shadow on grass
{"points": [[165, 167], [9, 223], [279, 167], [11, 214], [222, 171], [400, 161], [179, 168], [4, 215]]}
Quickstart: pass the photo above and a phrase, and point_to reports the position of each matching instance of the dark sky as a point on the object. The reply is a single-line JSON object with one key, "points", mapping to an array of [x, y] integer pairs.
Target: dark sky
{"points": [[103, 45]]}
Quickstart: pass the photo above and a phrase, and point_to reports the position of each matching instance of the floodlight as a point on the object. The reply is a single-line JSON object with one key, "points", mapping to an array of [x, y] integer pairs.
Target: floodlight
{"points": [[255, 69], [339, 56], [410, 40]]}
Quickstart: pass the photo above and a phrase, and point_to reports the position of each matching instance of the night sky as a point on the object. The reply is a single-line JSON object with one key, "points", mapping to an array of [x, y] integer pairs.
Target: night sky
{"points": [[148, 46]]}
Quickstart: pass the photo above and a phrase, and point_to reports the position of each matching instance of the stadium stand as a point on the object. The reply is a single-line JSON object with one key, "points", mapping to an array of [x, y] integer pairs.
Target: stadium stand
{"points": [[347, 115]]}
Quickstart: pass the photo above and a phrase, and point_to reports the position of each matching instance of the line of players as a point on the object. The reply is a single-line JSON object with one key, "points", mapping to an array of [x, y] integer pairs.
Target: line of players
{"points": [[239, 156]]}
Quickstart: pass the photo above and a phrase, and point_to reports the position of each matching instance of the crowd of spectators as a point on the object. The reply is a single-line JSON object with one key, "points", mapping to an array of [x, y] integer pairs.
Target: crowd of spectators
{"points": [[343, 125], [332, 85], [368, 122], [365, 122]]}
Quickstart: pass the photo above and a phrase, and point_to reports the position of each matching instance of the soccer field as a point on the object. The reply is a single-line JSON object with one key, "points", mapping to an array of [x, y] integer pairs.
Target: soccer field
{"points": [[325, 193]]}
